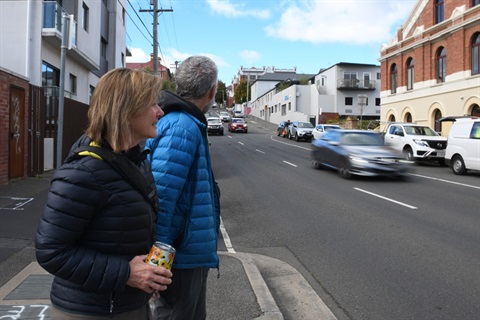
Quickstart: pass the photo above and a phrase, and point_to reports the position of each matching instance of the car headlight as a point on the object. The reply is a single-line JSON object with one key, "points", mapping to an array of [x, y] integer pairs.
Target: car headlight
{"points": [[358, 159], [421, 143]]}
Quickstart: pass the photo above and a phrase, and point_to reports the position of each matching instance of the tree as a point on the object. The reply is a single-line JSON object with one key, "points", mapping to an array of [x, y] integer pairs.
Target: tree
{"points": [[241, 92], [221, 95]]}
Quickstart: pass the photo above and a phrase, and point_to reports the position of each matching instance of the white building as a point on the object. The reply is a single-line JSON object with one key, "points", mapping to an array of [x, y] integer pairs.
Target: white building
{"points": [[31, 38], [344, 89], [31, 46]]}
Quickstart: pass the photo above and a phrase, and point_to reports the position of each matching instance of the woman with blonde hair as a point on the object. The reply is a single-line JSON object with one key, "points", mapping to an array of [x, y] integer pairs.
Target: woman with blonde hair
{"points": [[97, 226]]}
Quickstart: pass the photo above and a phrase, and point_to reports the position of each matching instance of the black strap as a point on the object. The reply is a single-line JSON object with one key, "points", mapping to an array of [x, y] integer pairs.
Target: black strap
{"points": [[128, 170]]}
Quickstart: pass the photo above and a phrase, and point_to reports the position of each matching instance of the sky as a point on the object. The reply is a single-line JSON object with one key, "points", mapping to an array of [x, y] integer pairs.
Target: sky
{"points": [[308, 35]]}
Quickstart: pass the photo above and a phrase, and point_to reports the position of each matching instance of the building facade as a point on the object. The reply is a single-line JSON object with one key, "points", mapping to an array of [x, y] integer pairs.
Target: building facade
{"points": [[430, 69], [31, 34]]}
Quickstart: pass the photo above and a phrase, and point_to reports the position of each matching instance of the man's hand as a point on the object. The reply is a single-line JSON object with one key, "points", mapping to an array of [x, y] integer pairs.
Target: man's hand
{"points": [[146, 277]]}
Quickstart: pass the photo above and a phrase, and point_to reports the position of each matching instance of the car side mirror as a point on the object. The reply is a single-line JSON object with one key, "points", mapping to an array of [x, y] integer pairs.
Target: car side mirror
{"points": [[399, 133]]}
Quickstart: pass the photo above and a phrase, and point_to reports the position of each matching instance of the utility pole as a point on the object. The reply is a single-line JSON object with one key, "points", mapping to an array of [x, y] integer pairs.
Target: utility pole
{"points": [[155, 11]]}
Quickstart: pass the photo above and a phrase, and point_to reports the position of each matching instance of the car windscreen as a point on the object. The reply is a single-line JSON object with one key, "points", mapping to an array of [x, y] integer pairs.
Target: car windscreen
{"points": [[214, 121], [420, 131], [361, 139], [305, 125]]}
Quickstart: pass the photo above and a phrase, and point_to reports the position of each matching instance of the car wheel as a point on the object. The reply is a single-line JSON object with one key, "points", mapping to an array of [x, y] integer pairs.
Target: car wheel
{"points": [[408, 154], [316, 164], [442, 163], [458, 166], [289, 136], [344, 171], [296, 137], [246, 131]]}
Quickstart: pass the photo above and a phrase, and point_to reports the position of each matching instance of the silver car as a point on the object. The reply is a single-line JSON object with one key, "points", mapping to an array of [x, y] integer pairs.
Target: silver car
{"points": [[320, 129], [300, 130]]}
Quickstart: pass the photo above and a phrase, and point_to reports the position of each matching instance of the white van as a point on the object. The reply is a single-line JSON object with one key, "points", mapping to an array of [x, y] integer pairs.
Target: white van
{"points": [[463, 146]]}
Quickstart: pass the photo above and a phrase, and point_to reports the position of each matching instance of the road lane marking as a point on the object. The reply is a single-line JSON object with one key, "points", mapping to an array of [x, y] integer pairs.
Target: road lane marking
{"points": [[290, 164], [260, 151], [13, 203], [240, 143], [446, 181], [291, 145], [385, 198], [226, 238]]}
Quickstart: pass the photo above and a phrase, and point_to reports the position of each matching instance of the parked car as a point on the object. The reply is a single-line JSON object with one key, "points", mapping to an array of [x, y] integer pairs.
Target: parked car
{"points": [[225, 116], [238, 125], [357, 152], [300, 131], [282, 128], [215, 125], [320, 129], [463, 145], [416, 142], [238, 114]]}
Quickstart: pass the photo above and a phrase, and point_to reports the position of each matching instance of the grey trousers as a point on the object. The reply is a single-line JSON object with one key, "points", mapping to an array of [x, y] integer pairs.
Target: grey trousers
{"points": [[185, 298]]}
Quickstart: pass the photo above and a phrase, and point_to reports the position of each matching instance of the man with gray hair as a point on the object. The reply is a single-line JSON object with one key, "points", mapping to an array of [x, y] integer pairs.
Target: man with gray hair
{"points": [[189, 213]]}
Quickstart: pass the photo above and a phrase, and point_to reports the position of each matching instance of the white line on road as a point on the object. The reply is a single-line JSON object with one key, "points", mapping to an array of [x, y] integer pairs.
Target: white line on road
{"points": [[240, 143], [260, 151], [289, 163], [226, 238], [447, 181], [291, 144], [385, 198]]}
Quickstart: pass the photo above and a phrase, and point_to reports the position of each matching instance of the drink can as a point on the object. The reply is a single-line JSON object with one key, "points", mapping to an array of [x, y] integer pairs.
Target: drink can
{"points": [[161, 254]]}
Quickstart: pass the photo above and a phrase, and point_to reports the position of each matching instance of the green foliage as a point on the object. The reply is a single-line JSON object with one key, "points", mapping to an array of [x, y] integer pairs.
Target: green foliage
{"points": [[221, 95], [241, 92]]}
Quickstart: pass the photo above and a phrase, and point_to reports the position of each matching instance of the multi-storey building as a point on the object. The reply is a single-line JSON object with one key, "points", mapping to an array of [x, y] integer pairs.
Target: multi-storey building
{"points": [[31, 36], [431, 68], [342, 90]]}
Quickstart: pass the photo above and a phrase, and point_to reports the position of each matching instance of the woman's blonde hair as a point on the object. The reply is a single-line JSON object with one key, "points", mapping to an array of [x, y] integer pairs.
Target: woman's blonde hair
{"points": [[120, 95]]}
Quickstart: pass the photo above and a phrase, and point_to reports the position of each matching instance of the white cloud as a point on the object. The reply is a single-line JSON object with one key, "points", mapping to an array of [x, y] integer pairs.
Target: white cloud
{"points": [[341, 21], [231, 10], [138, 55], [249, 56]]}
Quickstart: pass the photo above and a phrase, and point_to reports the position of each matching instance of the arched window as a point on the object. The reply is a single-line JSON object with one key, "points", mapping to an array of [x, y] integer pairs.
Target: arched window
{"points": [[476, 54], [441, 64], [438, 125], [476, 110], [391, 118], [408, 117], [393, 78], [410, 74], [475, 2], [439, 11]]}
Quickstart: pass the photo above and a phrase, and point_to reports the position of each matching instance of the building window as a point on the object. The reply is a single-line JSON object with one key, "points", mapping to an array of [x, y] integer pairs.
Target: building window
{"points": [[436, 116], [348, 101], [476, 110], [441, 64], [439, 11], [289, 106], [410, 74], [103, 48], [475, 3], [393, 78], [350, 79], [50, 75], [85, 14], [408, 117], [123, 59], [73, 84], [476, 54], [123, 16], [377, 101], [90, 93], [366, 80]]}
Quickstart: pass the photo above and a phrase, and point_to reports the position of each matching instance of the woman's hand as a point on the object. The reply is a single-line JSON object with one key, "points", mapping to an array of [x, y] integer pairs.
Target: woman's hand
{"points": [[147, 277]]}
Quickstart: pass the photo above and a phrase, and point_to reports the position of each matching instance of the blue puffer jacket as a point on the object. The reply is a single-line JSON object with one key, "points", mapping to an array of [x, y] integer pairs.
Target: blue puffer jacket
{"points": [[189, 215], [94, 223]]}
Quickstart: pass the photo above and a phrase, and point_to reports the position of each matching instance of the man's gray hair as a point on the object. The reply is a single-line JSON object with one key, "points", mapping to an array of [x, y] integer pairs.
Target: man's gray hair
{"points": [[195, 77]]}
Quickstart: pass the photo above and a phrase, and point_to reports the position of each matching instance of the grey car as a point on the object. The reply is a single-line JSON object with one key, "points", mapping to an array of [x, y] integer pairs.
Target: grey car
{"points": [[300, 130], [358, 152]]}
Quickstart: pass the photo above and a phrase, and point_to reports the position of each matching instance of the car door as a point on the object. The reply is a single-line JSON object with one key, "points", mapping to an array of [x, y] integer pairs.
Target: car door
{"points": [[395, 137], [472, 158]]}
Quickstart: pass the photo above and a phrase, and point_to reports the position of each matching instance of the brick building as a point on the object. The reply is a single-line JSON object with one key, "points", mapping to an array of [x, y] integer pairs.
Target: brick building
{"points": [[431, 68]]}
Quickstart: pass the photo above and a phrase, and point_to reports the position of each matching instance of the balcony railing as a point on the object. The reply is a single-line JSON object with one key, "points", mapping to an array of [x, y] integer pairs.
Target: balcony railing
{"points": [[52, 19], [355, 84]]}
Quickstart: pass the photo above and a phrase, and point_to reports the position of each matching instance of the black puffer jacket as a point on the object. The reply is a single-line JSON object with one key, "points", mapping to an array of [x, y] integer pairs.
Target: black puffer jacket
{"points": [[93, 224]]}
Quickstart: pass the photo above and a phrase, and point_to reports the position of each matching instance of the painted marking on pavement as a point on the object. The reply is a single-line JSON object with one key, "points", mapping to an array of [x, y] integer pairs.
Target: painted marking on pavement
{"points": [[446, 181], [385, 198], [13, 203], [260, 151], [226, 238], [290, 164], [291, 145], [241, 143]]}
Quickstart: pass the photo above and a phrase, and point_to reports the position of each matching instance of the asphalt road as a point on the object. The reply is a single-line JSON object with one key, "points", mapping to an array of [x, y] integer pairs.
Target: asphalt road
{"points": [[371, 248]]}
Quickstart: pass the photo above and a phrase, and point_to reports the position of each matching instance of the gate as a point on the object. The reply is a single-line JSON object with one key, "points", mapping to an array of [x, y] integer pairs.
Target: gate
{"points": [[16, 131], [36, 131]]}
